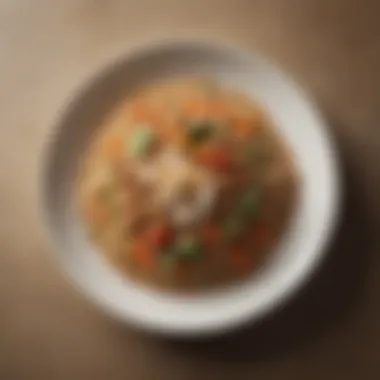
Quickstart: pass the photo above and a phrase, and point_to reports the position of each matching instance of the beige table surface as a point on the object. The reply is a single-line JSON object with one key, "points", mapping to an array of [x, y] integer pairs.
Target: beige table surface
{"points": [[48, 331]]}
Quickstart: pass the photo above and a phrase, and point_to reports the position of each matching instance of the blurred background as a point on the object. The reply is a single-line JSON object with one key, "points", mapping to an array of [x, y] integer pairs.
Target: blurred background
{"points": [[48, 331]]}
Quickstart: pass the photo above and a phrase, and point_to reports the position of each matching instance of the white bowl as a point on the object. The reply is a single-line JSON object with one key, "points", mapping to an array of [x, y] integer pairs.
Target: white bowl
{"points": [[294, 259]]}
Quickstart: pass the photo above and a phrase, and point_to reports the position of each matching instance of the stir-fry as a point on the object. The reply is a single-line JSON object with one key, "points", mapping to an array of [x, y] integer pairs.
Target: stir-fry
{"points": [[186, 185]]}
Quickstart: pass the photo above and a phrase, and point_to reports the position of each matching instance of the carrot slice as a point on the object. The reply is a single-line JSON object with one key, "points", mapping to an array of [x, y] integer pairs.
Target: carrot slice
{"points": [[114, 148], [196, 107], [263, 236], [143, 255], [201, 108], [216, 159], [211, 235], [240, 260], [182, 273], [143, 114], [160, 236], [244, 128], [219, 109]]}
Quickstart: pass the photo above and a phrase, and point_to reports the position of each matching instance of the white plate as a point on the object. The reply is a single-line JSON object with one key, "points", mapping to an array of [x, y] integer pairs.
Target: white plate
{"points": [[294, 259]]}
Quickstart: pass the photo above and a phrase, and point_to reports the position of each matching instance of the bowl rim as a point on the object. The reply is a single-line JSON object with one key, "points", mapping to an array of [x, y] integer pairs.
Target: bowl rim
{"points": [[227, 48]]}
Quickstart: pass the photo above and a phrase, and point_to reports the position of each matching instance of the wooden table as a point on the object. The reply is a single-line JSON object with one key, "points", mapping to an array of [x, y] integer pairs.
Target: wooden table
{"points": [[48, 331]]}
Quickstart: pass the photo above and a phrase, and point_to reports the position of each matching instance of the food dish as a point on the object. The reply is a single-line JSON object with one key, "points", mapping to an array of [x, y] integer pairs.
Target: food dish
{"points": [[186, 185], [295, 257]]}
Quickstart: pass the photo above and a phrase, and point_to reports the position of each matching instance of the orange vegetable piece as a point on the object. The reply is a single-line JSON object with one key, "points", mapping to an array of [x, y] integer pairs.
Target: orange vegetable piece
{"points": [[143, 255], [217, 159], [244, 128], [263, 235], [211, 235], [219, 110], [196, 107], [182, 273], [202, 108], [114, 148], [143, 114], [160, 236], [240, 260]]}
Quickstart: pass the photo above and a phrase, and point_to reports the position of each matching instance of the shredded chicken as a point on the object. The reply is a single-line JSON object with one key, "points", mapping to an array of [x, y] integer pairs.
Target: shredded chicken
{"points": [[187, 191]]}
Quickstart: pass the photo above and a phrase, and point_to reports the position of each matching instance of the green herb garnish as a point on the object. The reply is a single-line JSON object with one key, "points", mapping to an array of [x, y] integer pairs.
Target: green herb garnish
{"points": [[189, 249], [254, 149], [167, 258], [199, 131], [140, 142], [248, 204], [232, 228]]}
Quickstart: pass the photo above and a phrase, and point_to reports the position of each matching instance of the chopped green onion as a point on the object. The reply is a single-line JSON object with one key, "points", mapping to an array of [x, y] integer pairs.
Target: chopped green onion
{"points": [[188, 249], [167, 258], [199, 131], [249, 202], [140, 141], [254, 149], [232, 228]]}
